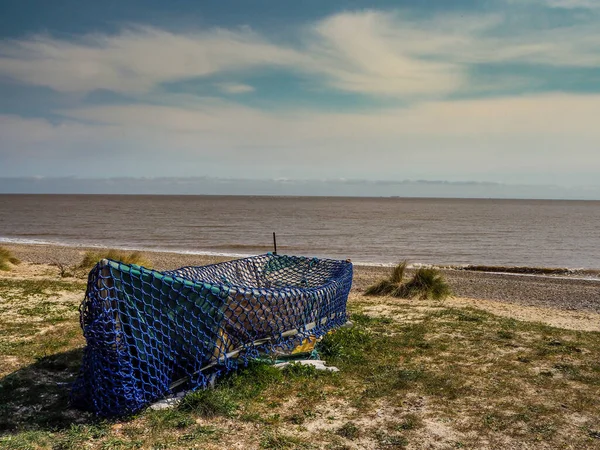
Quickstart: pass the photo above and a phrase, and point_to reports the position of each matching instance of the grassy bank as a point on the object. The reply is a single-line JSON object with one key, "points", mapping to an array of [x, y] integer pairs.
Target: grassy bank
{"points": [[413, 373]]}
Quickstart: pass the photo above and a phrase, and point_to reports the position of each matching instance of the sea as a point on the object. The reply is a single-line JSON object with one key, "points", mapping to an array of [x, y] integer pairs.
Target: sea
{"points": [[535, 233]]}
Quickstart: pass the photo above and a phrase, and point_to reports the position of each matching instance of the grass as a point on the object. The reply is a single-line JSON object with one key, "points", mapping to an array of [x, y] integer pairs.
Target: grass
{"points": [[91, 258], [349, 431], [41, 288], [210, 403], [411, 371], [426, 283], [7, 259], [394, 285], [31, 307], [279, 441]]}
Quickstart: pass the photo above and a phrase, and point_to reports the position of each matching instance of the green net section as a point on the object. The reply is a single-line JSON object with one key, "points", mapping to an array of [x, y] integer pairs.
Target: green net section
{"points": [[151, 332]]}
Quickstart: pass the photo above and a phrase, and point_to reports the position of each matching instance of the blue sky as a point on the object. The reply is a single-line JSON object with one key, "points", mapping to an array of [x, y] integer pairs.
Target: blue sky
{"points": [[496, 91]]}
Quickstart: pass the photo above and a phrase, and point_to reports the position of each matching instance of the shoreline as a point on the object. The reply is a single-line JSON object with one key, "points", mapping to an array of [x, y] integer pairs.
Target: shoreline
{"points": [[545, 291], [591, 274]]}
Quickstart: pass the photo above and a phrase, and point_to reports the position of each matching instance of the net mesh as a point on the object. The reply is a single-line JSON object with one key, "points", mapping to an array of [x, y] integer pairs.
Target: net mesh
{"points": [[148, 332]]}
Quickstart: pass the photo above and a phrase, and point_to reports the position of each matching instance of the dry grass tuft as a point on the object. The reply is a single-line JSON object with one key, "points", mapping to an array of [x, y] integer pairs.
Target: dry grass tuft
{"points": [[426, 284], [7, 259], [91, 258]]}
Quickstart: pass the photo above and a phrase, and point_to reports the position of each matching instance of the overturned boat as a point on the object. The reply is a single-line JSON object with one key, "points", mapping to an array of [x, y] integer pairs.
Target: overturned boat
{"points": [[149, 333]]}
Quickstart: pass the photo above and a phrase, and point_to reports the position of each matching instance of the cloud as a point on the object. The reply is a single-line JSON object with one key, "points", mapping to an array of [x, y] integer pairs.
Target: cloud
{"points": [[379, 53], [573, 4], [367, 52], [235, 88], [355, 52], [544, 138], [557, 4], [137, 59], [535, 114]]}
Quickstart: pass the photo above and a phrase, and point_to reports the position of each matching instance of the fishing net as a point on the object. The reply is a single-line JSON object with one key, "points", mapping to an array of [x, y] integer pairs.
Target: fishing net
{"points": [[151, 332]]}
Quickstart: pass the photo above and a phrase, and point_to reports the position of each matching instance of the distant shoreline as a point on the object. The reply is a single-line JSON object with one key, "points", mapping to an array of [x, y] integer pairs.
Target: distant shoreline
{"points": [[297, 196]]}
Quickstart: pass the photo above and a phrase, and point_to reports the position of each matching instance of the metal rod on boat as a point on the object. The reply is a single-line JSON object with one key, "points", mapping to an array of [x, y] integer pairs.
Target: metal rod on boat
{"points": [[274, 244]]}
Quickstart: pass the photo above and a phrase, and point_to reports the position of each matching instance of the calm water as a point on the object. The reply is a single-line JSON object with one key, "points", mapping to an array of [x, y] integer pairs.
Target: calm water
{"points": [[384, 230]]}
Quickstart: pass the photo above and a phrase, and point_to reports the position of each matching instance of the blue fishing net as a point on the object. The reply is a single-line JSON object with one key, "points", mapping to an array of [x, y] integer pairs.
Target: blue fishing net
{"points": [[149, 333]]}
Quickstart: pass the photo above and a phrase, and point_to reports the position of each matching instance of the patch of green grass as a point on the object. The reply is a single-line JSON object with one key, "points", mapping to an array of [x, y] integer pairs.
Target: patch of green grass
{"points": [[552, 346], [243, 386], [414, 337], [115, 443], [346, 344], [426, 283], [36, 288], [200, 432], [525, 419], [390, 440], [301, 372], [210, 403], [252, 380], [365, 320], [388, 380], [65, 336], [349, 431], [7, 259], [26, 440], [410, 422], [278, 441], [77, 436], [169, 419], [504, 334], [462, 315]]}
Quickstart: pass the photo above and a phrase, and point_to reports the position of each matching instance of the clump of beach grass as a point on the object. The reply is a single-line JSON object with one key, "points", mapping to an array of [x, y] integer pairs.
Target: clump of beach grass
{"points": [[91, 258], [7, 259], [426, 283]]}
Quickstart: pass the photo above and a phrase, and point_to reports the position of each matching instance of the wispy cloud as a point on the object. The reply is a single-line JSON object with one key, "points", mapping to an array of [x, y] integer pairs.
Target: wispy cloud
{"points": [[367, 52], [548, 113], [235, 88], [573, 4], [136, 59], [381, 53]]}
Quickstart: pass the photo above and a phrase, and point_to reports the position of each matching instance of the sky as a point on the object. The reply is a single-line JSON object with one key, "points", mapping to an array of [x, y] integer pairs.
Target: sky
{"points": [[431, 98]]}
